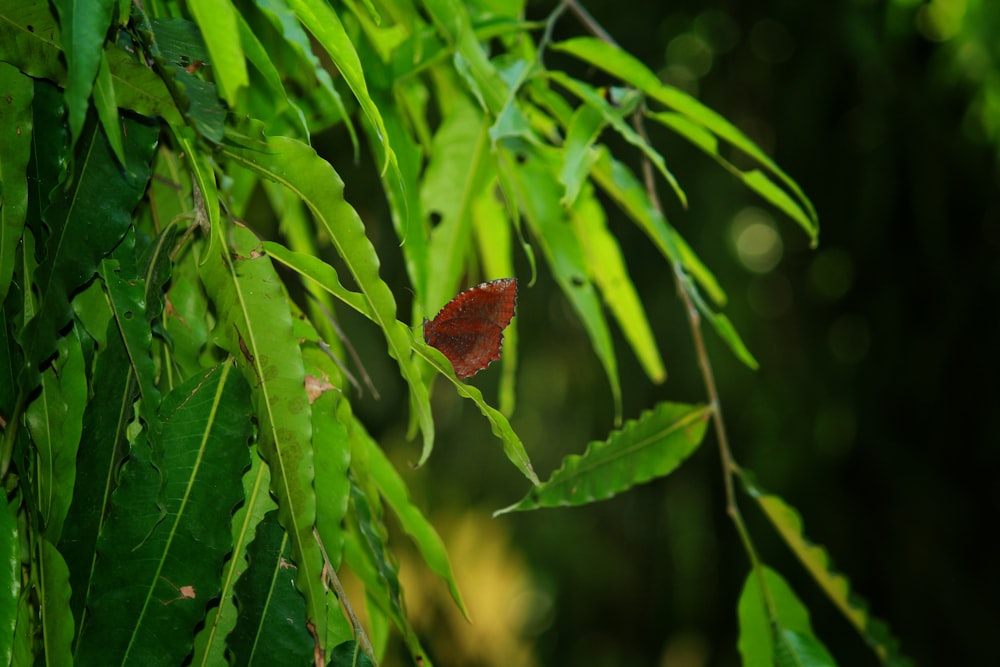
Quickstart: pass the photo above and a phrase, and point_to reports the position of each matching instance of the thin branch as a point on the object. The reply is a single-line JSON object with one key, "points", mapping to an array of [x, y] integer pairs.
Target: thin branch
{"points": [[729, 465]]}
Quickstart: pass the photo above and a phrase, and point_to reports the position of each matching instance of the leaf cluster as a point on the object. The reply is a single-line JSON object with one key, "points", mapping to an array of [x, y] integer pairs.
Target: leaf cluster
{"points": [[184, 472]]}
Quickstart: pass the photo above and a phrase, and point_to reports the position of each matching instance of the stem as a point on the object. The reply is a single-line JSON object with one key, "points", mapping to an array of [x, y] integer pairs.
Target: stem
{"points": [[729, 466]]}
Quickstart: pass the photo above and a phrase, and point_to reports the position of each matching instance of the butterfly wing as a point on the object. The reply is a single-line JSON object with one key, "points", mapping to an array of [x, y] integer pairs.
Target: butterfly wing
{"points": [[469, 329]]}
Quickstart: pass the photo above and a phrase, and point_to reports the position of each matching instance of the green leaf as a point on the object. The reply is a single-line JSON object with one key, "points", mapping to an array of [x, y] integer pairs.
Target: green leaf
{"points": [[257, 53], [271, 627], [367, 554], [255, 326], [106, 104], [10, 565], [349, 654], [618, 181], [774, 625], [57, 621], [319, 84], [105, 424], [613, 118], [30, 39], [537, 192], [395, 493], [607, 265], [168, 529], [177, 44], [297, 167], [458, 170], [210, 643], [55, 421], [647, 448], [578, 154], [138, 88], [754, 179], [787, 521], [86, 221], [84, 25], [127, 295], [613, 60], [512, 445], [452, 20], [320, 19], [15, 151], [217, 20]]}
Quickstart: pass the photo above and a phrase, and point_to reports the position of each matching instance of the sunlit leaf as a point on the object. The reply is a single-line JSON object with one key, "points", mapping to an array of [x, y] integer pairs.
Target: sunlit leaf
{"points": [[652, 446], [774, 625]]}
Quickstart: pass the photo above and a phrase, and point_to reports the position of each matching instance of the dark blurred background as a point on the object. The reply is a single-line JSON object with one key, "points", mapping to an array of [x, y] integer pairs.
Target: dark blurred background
{"points": [[873, 412]]}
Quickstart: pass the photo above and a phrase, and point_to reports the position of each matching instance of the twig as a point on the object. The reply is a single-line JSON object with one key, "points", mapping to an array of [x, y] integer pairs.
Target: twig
{"points": [[729, 465]]}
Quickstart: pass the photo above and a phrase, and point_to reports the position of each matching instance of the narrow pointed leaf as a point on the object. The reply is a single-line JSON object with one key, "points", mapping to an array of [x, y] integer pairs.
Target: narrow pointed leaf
{"points": [[168, 532], [297, 167], [256, 327], [217, 20], [15, 151], [613, 117], [617, 62], [10, 565], [86, 221], [618, 181], [271, 626], [607, 265], [774, 625], [652, 446], [57, 621], [84, 26], [414, 523], [55, 420], [535, 180], [512, 445], [320, 19], [815, 558], [754, 179], [105, 424]]}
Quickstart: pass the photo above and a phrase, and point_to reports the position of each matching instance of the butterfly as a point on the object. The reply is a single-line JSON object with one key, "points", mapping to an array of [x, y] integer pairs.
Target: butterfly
{"points": [[469, 329]]}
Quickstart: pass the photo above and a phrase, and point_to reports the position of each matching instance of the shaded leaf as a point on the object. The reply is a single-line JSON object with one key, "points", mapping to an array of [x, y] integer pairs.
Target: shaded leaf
{"points": [[414, 523], [84, 26], [613, 60], [57, 621], [534, 178], [55, 421], [162, 551], [10, 564], [30, 39], [652, 446], [86, 221], [271, 626], [15, 151], [787, 521]]}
